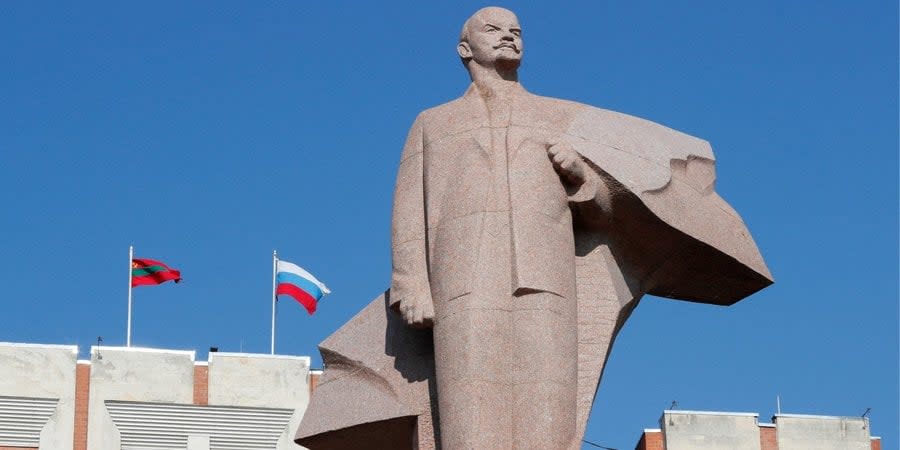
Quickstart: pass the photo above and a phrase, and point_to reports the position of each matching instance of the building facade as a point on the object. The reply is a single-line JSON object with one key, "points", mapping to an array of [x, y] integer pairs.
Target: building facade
{"points": [[138, 398], [702, 430]]}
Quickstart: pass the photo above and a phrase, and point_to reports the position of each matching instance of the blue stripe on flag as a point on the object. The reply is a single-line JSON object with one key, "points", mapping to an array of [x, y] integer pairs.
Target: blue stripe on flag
{"points": [[300, 282]]}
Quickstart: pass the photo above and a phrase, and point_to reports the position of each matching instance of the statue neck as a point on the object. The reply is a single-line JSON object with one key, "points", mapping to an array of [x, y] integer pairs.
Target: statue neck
{"points": [[493, 89]]}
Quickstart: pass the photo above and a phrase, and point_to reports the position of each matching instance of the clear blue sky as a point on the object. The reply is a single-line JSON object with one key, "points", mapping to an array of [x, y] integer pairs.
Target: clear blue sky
{"points": [[210, 133]]}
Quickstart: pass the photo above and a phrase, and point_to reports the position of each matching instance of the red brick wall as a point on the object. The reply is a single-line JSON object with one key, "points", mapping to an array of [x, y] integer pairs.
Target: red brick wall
{"points": [[18, 448], [201, 385], [313, 382], [82, 391], [767, 438], [650, 440], [876, 444]]}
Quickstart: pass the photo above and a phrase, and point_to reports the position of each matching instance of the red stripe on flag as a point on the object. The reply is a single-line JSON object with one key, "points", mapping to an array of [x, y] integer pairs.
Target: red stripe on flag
{"points": [[147, 262], [300, 295]]}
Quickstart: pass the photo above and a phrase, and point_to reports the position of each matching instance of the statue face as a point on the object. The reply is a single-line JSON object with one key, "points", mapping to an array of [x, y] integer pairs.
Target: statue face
{"points": [[493, 38]]}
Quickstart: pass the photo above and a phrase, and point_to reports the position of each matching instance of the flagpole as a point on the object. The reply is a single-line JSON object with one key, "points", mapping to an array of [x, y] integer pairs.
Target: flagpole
{"points": [[130, 262], [274, 297]]}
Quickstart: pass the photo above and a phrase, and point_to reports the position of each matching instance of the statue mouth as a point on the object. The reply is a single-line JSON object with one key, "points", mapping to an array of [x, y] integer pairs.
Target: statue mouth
{"points": [[509, 46]]}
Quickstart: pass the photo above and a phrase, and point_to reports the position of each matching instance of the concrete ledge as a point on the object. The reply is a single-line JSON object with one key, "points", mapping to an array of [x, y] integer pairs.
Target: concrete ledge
{"points": [[822, 432], [816, 417], [74, 348], [192, 353], [213, 355], [708, 430], [31, 372], [710, 413]]}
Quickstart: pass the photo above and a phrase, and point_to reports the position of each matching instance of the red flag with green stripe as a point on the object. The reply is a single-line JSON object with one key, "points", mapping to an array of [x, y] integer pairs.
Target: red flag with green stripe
{"points": [[148, 272]]}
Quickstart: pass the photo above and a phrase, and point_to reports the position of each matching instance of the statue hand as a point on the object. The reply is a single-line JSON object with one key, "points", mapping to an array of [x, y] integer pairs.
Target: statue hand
{"points": [[417, 314], [568, 163]]}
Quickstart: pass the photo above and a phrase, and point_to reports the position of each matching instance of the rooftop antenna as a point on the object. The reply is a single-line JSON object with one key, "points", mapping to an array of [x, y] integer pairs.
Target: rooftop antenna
{"points": [[866, 414], [99, 340], [671, 408]]}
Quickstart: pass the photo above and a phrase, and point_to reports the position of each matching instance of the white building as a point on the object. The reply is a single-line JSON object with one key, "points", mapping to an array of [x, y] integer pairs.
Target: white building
{"points": [[139, 398]]}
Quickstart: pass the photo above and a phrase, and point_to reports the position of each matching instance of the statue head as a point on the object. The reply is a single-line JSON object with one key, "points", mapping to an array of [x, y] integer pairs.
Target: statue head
{"points": [[492, 39]]}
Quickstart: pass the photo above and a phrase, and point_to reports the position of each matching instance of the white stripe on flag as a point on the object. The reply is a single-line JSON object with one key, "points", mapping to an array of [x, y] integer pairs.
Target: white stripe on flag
{"points": [[284, 266]]}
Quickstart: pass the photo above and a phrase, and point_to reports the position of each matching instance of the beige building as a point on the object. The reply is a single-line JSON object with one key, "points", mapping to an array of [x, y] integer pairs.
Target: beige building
{"points": [[140, 398], [707, 430]]}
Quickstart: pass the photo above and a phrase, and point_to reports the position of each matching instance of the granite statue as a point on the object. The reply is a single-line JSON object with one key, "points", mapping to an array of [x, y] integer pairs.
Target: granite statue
{"points": [[525, 230]]}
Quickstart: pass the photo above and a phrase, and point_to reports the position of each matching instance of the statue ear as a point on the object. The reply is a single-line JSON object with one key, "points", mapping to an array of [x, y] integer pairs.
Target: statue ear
{"points": [[464, 51]]}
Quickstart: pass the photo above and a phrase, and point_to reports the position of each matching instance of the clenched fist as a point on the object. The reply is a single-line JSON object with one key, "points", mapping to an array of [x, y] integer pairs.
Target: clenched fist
{"points": [[568, 163], [417, 313]]}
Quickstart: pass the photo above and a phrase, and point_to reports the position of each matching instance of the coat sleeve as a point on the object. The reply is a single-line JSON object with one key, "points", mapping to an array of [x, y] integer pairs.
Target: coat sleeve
{"points": [[409, 276]]}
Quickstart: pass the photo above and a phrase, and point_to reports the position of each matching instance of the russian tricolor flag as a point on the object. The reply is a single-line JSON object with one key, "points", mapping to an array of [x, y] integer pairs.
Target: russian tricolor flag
{"points": [[292, 280]]}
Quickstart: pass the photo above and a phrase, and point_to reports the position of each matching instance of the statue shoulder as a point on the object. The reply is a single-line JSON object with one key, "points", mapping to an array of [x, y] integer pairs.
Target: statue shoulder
{"points": [[452, 117], [559, 103], [548, 113], [443, 110]]}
